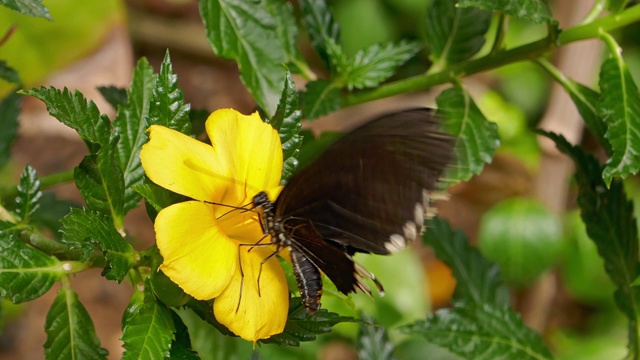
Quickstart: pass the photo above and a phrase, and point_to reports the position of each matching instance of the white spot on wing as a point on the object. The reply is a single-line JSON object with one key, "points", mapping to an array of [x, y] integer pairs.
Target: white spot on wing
{"points": [[425, 198], [410, 230], [418, 214], [396, 243]]}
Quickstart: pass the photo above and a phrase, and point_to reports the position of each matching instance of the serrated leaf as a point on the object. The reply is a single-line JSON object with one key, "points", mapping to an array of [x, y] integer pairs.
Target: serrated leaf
{"points": [[377, 63], [244, 31], [478, 280], [148, 329], [181, 345], [586, 100], [321, 98], [286, 121], [482, 332], [157, 197], [322, 29], [204, 310], [8, 74], [304, 327], [476, 138], [28, 7], [29, 194], [9, 111], [130, 124], [115, 96], [167, 106], [533, 10], [101, 183], [619, 108], [70, 331], [373, 342], [287, 31], [25, 273], [85, 226], [609, 218], [73, 110], [454, 33]]}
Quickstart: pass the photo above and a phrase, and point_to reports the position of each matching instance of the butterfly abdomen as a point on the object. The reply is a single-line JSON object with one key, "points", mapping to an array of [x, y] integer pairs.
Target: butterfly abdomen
{"points": [[309, 281]]}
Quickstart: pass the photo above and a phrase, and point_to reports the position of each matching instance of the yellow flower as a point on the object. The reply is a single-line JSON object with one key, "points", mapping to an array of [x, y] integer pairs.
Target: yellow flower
{"points": [[200, 241]]}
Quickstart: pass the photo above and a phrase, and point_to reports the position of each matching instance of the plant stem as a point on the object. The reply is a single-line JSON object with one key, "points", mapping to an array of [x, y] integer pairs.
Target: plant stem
{"points": [[497, 59], [427, 81], [595, 11], [606, 23], [57, 178]]}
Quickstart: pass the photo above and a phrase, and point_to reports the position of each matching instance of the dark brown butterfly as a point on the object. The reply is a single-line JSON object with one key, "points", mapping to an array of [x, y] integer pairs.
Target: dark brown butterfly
{"points": [[368, 192]]}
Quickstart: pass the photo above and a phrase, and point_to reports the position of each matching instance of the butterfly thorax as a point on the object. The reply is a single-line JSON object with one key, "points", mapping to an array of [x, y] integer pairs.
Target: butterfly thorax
{"points": [[271, 225]]}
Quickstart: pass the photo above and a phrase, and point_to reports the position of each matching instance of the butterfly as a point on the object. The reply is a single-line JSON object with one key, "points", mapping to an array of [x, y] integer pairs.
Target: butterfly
{"points": [[367, 193]]}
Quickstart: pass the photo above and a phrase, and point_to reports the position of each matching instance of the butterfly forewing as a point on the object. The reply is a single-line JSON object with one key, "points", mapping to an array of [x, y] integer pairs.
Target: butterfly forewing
{"points": [[368, 191]]}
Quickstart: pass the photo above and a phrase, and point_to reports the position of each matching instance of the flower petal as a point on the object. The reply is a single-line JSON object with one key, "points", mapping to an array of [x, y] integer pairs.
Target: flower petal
{"points": [[252, 149], [197, 255], [247, 313], [184, 165]]}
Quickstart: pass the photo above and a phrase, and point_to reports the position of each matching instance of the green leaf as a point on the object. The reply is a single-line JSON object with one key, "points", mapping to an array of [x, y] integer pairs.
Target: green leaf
{"points": [[533, 10], [115, 96], [619, 108], [9, 111], [181, 345], [322, 29], [208, 341], [375, 64], [616, 5], [9, 74], [28, 7], [373, 342], [245, 32], [611, 224], [204, 310], [157, 197], [101, 183], [148, 328], [476, 138], [70, 331], [25, 273], [73, 110], [304, 327], [29, 194], [481, 332], [478, 280], [321, 98], [586, 100], [130, 124], [287, 31], [167, 106], [286, 121], [84, 226], [455, 33]]}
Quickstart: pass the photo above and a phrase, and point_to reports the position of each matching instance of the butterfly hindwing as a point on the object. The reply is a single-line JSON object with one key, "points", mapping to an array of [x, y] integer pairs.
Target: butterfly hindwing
{"points": [[333, 261]]}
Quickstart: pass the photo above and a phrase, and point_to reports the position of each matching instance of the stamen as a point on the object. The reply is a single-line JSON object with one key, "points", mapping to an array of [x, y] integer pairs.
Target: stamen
{"points": [[241, 281]]}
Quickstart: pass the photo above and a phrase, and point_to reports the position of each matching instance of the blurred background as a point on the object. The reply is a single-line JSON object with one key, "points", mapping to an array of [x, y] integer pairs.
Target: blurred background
{"points": [[558, 279]]}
